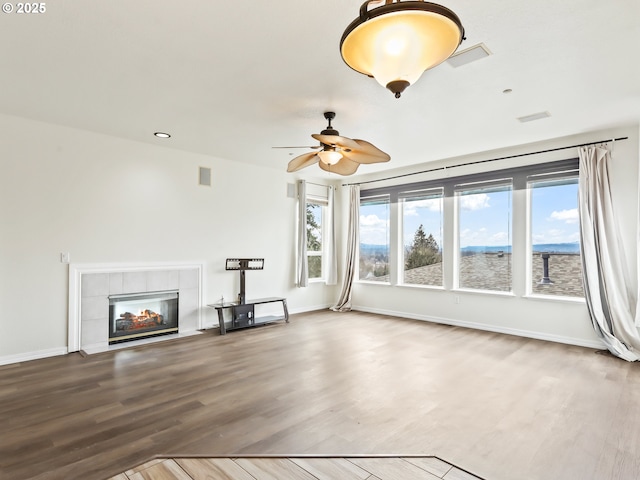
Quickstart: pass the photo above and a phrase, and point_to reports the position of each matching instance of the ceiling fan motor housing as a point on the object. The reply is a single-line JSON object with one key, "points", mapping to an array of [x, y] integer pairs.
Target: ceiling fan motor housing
{"points": [[329, 130]]}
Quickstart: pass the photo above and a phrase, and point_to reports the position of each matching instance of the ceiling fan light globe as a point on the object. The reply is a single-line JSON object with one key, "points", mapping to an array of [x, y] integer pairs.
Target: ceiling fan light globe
{"points": [[330, 157]]}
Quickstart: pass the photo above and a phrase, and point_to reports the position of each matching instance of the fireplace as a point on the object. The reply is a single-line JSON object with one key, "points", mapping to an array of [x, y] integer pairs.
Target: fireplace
{"points": [[134, 316]]}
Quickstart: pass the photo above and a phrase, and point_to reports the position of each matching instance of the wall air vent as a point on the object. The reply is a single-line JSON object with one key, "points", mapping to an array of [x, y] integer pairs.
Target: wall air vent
{"points": [[535, 116], [204, 176], [469, 55]]}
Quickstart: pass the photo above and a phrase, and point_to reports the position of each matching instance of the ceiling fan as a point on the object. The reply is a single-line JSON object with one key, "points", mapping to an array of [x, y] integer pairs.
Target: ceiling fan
{"points": [[337, 154]]}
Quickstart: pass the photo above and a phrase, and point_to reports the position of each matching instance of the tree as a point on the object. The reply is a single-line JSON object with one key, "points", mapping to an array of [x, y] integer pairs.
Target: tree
{"points": [[313, 229], [314, 242], [423, 251]]}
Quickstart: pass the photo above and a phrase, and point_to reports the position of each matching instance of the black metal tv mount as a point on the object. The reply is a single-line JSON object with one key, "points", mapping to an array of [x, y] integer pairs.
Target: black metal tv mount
{"points": [[244, 264]]}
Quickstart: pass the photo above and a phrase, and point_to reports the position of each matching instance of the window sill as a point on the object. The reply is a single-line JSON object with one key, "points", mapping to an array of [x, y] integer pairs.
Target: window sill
{"points": [[484, 292], [421, 286], [553, 298], [372, 282]]}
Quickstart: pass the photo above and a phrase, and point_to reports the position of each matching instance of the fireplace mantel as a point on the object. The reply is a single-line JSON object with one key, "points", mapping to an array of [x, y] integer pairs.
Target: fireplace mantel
{"points": [[91, 284]]}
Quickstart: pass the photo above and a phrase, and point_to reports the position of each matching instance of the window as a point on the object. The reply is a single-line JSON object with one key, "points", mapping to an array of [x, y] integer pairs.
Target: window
{"points": [[374, 239], [484, 235], [315, 211], [403, 228], [556, 268], [422, 237]]}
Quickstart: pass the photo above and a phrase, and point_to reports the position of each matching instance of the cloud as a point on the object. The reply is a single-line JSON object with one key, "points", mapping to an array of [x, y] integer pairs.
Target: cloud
{"points": [[500, 238], [567, 216], [372, 221], [483, 236], [474, 202], [374, 230], [411, 207], [556, 236]]}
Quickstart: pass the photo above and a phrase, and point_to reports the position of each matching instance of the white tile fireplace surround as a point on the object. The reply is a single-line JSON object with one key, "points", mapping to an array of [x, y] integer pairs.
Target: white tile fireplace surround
{"points": [[91, 285]]}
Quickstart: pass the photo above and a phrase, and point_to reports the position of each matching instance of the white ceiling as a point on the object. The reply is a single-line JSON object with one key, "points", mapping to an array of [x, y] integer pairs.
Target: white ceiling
{"points": [[232, 79]]}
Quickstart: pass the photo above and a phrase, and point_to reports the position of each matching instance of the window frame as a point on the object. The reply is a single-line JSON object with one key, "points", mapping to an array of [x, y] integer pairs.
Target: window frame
{"points": [[403, 197], [553, 178], [520, 211], [501, 184], [376, 199], [322, 253]]}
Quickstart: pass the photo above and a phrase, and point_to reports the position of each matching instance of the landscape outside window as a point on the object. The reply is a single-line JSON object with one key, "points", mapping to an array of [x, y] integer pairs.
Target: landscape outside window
{"points": [[555, 234], [484, 237], [481, 214], [422, 237], [374, 239], [314, 240]]}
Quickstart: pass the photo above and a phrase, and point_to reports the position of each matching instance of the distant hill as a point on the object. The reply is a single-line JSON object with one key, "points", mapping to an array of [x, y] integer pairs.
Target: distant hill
{"points": [[574, 247], [370, 249]]}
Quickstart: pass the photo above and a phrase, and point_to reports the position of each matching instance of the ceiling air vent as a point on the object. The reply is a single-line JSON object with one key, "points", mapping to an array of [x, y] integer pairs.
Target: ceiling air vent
{"points": [[469, 55], [535, 116]]}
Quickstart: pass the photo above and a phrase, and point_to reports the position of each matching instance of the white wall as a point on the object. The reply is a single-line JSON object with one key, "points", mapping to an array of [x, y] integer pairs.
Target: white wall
{"points": [[558, 320], [109, 200], [97, 197]]}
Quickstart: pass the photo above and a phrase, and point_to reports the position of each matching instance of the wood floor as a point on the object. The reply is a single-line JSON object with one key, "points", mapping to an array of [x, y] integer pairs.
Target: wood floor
{"points": [[334, 384], [299, 468]]}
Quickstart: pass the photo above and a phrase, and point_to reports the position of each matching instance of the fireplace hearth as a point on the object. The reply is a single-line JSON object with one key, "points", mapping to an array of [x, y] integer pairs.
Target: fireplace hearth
{"points": [[136, 316]]}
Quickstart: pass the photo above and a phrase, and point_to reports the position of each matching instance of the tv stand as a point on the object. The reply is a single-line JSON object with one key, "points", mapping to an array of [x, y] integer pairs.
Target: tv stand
{"points": [[242, 315], [242, 312]]}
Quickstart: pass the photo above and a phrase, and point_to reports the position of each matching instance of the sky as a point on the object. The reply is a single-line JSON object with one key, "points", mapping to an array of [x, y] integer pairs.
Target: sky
{"points": [[484, 218]]}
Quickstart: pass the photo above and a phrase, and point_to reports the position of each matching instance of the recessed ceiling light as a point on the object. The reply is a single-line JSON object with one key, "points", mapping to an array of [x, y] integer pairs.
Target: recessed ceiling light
{"points": [[535, 116], [162, 135]]}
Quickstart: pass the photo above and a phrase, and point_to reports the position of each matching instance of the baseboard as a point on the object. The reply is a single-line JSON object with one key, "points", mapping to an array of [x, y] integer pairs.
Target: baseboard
{"points": [[580, 342], [98, 348], [310, 309], [105, 347], [28, 356]]}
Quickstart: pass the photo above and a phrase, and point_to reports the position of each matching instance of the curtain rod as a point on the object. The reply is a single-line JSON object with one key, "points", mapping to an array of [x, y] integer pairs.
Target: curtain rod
{"points": [[316, 184], [488, 160]]}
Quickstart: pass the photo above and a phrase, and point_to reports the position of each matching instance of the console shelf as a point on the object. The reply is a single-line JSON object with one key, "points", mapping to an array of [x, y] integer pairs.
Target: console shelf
{"points": [[241, 315]]}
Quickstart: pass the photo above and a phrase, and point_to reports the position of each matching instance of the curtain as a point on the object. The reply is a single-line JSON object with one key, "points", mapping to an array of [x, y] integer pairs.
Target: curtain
{"points": [[611, 302], [332, 261], [302, 271], [344, 301]]}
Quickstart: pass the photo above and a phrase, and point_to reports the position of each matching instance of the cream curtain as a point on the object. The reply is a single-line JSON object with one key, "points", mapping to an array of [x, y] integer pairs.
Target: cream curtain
{"points": [[332, 260], [611, 302], [344, 301], [302, 270]]}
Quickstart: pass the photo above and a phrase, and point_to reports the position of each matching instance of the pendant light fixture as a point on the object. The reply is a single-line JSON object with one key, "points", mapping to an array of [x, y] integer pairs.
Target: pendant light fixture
{"points": [[395, 42]]}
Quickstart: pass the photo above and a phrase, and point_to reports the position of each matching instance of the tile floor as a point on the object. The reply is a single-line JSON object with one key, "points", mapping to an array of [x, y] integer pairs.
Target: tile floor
{"points": [[297, 468]]}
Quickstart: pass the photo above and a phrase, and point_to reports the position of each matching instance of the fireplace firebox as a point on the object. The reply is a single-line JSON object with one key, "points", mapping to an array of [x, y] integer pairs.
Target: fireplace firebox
{"points": [[135, 316]]}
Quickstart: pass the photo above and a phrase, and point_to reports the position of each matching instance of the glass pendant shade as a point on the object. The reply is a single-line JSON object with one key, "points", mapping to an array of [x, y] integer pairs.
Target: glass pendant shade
{"points": [[330, 157], [397, 42]]}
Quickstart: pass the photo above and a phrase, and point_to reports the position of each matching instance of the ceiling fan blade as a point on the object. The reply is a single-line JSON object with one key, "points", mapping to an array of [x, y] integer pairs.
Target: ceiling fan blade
{"points": [[371, 150], [365, 156], [302, 161], [343, 167], [315, 147], [338, 140]]}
